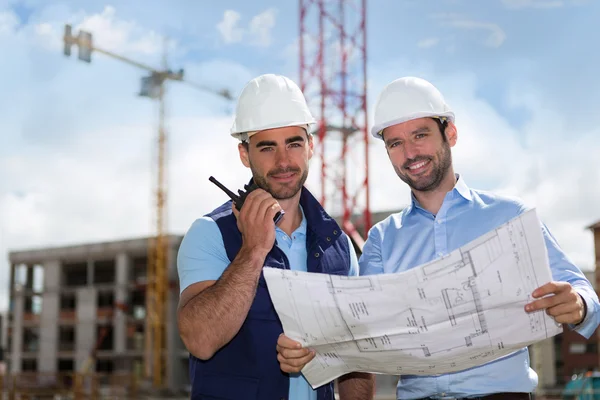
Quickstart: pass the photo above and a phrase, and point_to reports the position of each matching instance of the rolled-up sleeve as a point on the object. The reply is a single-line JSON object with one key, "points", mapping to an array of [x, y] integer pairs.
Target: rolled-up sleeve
{"points": [[563, 269], [371, 261]]}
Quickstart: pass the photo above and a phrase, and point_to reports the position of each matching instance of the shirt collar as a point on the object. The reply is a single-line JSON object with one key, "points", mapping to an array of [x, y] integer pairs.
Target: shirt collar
{"points": [[460, 188]]}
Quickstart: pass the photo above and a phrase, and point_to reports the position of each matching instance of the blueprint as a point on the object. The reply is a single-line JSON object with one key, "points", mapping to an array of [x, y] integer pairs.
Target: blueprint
{"points": [[462, 310]]}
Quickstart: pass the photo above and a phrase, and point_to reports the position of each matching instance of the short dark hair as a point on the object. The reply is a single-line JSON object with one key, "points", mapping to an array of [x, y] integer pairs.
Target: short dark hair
{"points": [[442, 124]]}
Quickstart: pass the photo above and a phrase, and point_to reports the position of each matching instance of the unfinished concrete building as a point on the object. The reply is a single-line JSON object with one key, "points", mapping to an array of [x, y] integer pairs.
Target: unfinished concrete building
{"points": [[67, 301]]}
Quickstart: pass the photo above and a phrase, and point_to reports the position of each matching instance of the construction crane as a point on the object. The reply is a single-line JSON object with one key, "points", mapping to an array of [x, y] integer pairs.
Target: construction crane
{"points": [[153, 87], [333, 77]]}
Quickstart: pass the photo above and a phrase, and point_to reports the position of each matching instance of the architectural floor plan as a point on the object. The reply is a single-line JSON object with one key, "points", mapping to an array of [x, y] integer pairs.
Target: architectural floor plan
{"points": [[453, 313]]}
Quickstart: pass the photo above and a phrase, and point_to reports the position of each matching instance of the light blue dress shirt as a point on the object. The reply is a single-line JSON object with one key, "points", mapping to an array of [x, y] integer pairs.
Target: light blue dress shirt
{"points": [[415, 236], [202, 257]]}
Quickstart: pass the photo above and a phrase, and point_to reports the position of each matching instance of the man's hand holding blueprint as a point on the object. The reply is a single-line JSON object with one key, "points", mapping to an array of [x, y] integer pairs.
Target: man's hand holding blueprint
{"points": [[454, 313]]}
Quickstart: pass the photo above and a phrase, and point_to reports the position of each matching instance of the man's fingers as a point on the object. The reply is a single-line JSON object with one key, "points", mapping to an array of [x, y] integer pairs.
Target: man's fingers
{"points": [[251, 205], [268, 207], [549, 288], [562, 297], [294, 364], [273, 209], [286, 342], [562, 309], [542, 304], [293, 353], [570, 318]]}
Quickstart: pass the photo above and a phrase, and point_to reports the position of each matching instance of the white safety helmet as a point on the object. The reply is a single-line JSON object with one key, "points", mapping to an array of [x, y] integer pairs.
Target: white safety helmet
{"points": [[406, 99], [270, 101]]}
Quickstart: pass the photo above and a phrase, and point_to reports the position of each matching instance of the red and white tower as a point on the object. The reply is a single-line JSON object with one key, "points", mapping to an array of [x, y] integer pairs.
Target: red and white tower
{"points": [[333, 77]]}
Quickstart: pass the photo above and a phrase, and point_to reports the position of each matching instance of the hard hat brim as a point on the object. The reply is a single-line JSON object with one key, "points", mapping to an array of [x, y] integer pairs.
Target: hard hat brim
{"points": [[377, 130], [309, 126]]}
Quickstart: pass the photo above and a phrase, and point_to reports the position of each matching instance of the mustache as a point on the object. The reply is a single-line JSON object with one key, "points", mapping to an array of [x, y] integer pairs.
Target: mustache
{"points": [[283, 171], [414, 160]]}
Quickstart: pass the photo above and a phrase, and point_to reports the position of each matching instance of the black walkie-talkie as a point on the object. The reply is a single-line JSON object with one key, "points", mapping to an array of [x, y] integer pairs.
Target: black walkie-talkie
{"points": [[238, 200]]}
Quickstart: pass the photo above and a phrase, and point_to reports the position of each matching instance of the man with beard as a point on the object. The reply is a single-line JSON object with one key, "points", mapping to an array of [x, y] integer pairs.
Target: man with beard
{"points": [[225, 317], [418, 130]]}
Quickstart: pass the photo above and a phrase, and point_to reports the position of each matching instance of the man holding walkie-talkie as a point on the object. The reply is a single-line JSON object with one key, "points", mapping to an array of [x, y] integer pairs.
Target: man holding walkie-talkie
{"points": [[226, 318]]}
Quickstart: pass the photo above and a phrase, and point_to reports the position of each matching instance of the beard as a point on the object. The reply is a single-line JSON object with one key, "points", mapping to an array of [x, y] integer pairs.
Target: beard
{"points": [[280, 191], [441, 164]]}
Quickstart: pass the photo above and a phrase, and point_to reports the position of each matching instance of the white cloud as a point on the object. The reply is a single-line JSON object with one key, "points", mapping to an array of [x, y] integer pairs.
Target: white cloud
{"points": [[109, 33], [261, 26], [114, 34], [495, 35], [228, 27], [428, 43], [258, 32], [8, 22]]}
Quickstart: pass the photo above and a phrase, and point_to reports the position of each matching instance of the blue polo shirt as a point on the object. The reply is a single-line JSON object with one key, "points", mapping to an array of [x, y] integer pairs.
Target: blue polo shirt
{"points": [[202, 257]]}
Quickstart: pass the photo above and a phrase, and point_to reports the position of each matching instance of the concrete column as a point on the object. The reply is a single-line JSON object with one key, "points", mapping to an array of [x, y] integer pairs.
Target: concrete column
{"points": [[17, 331], [50, 316], [85, 329], [123, 264]]}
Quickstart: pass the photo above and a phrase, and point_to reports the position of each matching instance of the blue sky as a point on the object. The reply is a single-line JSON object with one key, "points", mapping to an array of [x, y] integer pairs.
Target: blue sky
{"points": [[75, 159]]}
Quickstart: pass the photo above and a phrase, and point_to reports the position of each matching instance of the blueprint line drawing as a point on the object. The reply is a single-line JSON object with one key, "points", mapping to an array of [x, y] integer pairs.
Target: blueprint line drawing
{"points": [[456, 312]]}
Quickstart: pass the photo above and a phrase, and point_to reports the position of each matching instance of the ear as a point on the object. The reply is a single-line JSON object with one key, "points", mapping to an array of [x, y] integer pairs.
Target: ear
{"points": [[451, 134], [311, 146], [244, 156]]}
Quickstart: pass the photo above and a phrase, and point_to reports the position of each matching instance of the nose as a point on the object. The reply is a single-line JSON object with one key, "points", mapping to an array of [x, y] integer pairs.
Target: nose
{"points": [[282, 157], [410, 150]]}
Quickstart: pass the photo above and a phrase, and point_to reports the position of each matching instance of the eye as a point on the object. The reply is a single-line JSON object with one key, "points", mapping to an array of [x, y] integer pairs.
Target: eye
{"points": [[420, 135], [295, 145], [394, 144], [265, 149]]}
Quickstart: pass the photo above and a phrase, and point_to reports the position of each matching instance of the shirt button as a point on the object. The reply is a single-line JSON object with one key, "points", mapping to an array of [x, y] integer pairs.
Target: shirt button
{"points": [[439, 221]]}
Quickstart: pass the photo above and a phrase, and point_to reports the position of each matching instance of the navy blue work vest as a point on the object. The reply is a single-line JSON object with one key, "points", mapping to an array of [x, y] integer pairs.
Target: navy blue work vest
{"points": [[247, 368]]}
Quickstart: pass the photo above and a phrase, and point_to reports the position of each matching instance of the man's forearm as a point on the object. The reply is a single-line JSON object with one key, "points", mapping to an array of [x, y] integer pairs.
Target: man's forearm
{"points": [[212, 318], [357, 386]]}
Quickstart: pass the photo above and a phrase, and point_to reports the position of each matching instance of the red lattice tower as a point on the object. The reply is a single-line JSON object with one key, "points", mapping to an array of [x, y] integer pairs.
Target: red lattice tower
{"points": [[333, 77]]}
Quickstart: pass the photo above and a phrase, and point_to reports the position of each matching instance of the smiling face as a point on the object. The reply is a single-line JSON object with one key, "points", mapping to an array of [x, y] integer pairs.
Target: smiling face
{"points": [[278, 159], [420, 153]]}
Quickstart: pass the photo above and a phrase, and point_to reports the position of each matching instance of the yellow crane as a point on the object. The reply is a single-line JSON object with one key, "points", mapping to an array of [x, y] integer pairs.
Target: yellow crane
{"points": [[153, 86]]}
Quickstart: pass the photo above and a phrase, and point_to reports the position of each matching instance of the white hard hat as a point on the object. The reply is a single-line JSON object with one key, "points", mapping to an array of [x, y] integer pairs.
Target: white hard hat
{"points": [[406, 99], [270, 101]]}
